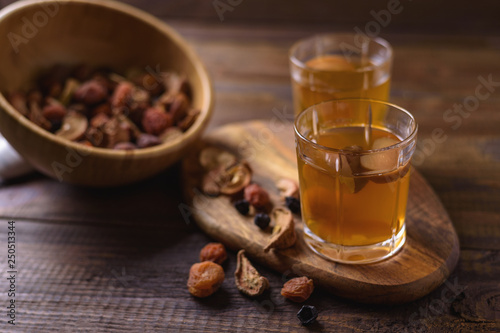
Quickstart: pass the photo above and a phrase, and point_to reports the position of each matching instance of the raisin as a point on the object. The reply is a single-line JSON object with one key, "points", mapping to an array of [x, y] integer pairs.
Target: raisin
{"points": [[256, 195], [307, 314], [205, 278], [242, 206], [215, 252], [293, 204], [262, 220], [298, 289]]}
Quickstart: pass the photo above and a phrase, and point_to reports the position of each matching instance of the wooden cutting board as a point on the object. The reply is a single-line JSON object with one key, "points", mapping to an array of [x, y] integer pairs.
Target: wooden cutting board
{"points": [[429, 256]]}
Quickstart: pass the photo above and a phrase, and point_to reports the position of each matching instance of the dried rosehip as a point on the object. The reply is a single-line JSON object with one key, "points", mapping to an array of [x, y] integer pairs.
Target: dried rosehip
{"points": [[262, 220], [307, 314], [121, 95], [298, 289], [293, 204], [54, 112], [242, 206], [91, 92], [155, 121], [256, 195], [205, 278], [215, 252], [99, 120]]}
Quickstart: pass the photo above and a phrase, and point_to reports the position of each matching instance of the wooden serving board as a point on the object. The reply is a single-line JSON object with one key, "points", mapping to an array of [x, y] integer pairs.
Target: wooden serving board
{"points": [[430, 254]]}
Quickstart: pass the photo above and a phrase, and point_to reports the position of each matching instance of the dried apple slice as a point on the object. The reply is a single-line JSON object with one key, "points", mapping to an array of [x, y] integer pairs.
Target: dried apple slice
{"points": [[385, 162], [73, 127], [381, 161], [351, 165]]}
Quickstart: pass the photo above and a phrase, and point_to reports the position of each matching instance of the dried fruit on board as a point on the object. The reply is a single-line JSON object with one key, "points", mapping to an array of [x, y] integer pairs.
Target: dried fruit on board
{"points": [[227, 180], [298, 289], [256, 196], [215, 252], [284, 236], [247, 278], [205, 278]]}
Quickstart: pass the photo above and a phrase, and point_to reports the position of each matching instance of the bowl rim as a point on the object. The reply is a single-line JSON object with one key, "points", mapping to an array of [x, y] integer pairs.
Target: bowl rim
{"points": [[207, 102]]}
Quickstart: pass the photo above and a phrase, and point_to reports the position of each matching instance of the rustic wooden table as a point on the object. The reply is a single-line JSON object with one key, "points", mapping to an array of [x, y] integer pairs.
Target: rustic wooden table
{"points": [[117, 260]]}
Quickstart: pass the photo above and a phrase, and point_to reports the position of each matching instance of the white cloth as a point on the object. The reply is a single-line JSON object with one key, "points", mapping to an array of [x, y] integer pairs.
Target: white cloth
{"points": [[12, 165]]}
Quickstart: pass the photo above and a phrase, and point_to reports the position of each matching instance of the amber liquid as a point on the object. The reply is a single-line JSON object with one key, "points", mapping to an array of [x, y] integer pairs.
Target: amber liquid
{"points": [[332, 77], [357, 209]]}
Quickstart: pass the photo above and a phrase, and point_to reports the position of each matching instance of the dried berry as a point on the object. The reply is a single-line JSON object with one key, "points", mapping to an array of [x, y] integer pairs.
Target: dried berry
{"points": [[126, 103], [256, 195], [155, 121], [307, 314], [262, 220], [205, 278], [99, 120], [242, 206], [284, 236], [91, 92], [54, 112], [121, 95], [215, 252], [298, 289], [247, 278], [293, 204]]}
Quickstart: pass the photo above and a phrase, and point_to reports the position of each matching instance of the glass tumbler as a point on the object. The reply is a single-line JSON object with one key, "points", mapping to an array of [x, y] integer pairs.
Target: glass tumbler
{"points": [[354, 171]]}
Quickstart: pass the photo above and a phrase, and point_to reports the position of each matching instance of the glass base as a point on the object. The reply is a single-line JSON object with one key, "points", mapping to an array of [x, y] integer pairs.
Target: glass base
{"points": [[355, 254]]}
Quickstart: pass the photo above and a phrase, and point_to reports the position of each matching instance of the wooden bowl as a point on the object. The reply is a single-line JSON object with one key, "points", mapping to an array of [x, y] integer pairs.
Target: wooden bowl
{"points": [[99, 33]]}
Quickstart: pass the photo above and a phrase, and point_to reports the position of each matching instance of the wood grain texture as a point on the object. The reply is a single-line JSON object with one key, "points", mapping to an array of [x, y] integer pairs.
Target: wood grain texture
{"points": [[117, 260], [427, 259]]}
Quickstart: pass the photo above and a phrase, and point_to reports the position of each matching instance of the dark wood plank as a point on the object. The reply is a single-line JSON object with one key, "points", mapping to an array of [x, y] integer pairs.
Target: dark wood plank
{"points": [[132, 278], [117, 260]]}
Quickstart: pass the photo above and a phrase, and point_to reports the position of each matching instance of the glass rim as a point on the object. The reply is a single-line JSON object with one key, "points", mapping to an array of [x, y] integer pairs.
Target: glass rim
{"points": [[294, 60], [403, 142]]}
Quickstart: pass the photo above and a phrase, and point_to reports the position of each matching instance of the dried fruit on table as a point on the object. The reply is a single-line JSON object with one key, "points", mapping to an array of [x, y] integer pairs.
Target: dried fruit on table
{"points": [[293, 204], [247, 278], [256, 195], [262, 220], [215, 252], [298, 289], [205, 278], [307, 314], [242, 206], [284, 236]]}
